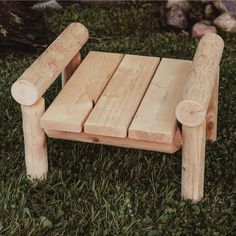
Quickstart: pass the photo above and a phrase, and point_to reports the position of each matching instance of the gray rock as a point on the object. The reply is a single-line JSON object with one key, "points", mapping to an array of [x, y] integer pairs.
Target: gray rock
{"points": [[176, 15], [48, 4], [225, 6], [182, 4]]}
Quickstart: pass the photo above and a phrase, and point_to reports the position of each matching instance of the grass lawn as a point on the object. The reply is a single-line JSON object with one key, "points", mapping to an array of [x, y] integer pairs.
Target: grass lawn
{"points": [[103, 190]]}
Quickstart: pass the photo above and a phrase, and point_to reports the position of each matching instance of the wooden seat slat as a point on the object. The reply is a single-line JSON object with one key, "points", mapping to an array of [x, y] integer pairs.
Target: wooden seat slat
{"points": [[155, 119], [119, 101], [76, 100]]}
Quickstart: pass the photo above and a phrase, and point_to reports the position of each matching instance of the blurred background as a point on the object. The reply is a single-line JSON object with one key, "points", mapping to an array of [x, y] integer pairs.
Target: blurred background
{"points": [[25, 25]]}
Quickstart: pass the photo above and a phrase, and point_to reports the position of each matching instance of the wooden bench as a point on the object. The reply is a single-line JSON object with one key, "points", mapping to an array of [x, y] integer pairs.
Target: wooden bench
{"points": [[122, 100]]}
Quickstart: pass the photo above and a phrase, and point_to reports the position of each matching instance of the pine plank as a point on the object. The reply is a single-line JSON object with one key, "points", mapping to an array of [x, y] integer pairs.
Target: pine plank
{"points": [[155, 119], [172, 147], [74, 103], [118, 103]]}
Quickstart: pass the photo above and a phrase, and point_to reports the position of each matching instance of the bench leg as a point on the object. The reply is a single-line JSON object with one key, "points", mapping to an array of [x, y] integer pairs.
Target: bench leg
{"points": [[35, 141], [211, 126], [70, 69], [193, 162]]}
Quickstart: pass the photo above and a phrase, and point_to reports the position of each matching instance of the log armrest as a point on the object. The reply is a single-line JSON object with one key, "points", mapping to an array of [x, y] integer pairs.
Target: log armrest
{"points": [[33, 83], [197, 92]]}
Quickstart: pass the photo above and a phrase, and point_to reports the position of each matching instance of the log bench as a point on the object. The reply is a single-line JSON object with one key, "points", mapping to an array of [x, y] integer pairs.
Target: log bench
{"points": [[125, 100]]}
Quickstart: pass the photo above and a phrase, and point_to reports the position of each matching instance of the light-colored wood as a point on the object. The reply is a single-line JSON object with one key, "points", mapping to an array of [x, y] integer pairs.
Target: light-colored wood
{"points": [[70, 69], [155, 119], [120, 142], [74, 103], [192, 108], [118, 103], [193, 162], [211, 118], [35, 141], [41, 74]]}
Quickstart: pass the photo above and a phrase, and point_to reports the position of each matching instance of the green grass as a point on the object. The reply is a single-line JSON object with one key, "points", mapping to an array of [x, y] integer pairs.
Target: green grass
{"points": [[103, 190]]}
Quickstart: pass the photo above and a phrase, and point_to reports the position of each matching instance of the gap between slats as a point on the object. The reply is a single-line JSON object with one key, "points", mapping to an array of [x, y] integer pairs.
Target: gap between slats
{"points": [[155, 118], [115, 109]]}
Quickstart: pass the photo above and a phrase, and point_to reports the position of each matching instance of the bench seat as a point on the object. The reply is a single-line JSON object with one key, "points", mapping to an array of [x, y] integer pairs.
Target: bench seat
{"points": [[134, 101], [121, 96]]}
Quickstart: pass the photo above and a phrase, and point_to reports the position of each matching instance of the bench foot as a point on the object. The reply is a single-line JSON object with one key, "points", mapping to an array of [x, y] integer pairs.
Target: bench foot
{"points": [[193, 162], [34, 141]]}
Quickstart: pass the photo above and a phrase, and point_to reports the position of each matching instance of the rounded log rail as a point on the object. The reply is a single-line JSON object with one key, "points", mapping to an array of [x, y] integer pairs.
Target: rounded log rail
{"points": [[33, 83], [197, 92]]}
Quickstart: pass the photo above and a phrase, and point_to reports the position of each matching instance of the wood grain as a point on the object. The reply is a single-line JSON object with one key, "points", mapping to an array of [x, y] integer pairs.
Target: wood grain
{"points": [[34, 141], [41, 74], [120, 142], [155, 119], [193, 162], [74, 103], [211, 118], [192, 108], [118, 103]]}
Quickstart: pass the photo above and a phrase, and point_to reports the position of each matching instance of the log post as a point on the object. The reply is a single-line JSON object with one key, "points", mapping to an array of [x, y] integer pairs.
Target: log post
{"points": [[211, 118], [34, 141], [197, 92], [193, 162], [197, 111], [70, 69]]}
